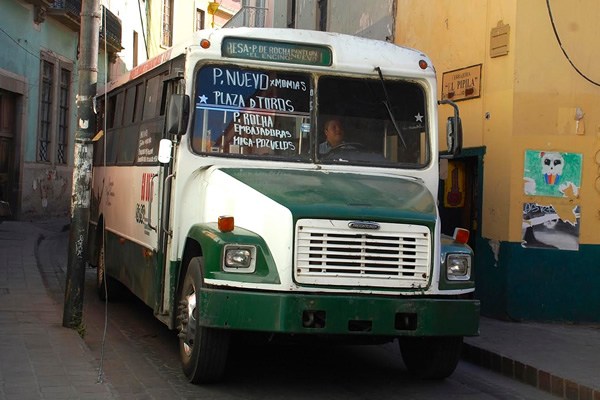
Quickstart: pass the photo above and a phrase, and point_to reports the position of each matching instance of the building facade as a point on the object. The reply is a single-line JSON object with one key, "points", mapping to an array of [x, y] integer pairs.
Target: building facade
{"points": [[526, 78], [168, 22], [39, 83]]}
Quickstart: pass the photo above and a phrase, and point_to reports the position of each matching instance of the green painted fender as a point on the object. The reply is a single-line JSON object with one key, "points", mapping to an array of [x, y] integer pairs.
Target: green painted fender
{"points": [[212, 242]]}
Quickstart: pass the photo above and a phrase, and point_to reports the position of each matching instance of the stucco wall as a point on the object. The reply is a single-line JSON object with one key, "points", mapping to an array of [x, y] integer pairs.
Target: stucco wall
{"points": [[46, 191], [547, 91], [529, 96], [306, 17], [43, 188], [23, 59], [528, 101]]}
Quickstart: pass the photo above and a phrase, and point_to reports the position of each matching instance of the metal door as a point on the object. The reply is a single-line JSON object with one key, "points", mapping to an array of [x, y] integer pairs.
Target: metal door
{"points": [[7, 149]]}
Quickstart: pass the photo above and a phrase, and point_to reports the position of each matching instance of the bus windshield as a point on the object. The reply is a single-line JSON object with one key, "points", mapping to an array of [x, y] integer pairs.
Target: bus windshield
{"points": [[250, 112]]}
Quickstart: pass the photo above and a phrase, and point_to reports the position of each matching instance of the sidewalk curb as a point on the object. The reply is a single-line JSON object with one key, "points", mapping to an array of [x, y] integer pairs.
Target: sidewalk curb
{"points": [[528, 374]]}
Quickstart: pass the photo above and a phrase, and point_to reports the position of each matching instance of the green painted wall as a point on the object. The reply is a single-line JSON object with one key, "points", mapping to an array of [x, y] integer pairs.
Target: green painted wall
{"points": [[538, 284], [21, 41]]}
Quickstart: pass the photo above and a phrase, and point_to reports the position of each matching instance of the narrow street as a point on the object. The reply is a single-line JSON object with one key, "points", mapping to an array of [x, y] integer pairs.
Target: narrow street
{"points": [[140, 359]]}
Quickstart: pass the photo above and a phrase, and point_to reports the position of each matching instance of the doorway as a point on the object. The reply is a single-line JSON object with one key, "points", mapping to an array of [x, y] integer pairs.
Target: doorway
{"points": [[460, 194], [7, 153]]}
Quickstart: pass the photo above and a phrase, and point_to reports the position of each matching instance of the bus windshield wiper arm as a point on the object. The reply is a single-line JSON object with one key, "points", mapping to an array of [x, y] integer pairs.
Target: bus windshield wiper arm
{"points": [[386, 103]]}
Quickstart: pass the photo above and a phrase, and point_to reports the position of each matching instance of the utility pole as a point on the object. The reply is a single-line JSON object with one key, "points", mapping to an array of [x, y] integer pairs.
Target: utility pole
{"points": [[82, 168]]}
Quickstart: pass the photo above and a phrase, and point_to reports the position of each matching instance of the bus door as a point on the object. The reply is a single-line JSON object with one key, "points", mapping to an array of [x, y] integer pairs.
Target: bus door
{"points": [[162, 212]]}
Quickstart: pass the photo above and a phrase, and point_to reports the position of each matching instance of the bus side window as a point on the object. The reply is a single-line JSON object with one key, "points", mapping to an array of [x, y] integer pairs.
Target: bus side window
{"points": [[128, 145], [139, 102], [113, 115], [163, 98], [152, 99], [119, 109], [110, 111], [112, 139], [130, 97]]}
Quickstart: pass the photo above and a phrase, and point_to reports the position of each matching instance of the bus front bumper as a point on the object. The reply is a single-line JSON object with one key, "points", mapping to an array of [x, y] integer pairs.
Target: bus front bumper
{"points": [[338, 314]]}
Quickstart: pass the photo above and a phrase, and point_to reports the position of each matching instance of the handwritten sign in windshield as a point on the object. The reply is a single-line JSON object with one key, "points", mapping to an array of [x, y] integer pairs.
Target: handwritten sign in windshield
{"points": [[235, 88], [247, 111]]}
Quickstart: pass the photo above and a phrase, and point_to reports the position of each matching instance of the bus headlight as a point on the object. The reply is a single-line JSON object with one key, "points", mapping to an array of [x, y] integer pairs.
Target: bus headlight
{"points": [[238, 258], [458, 267]]}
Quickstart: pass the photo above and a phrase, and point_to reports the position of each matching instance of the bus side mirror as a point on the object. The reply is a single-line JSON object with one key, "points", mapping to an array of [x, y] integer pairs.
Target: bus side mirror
{"points": [[178, 113], [454, 135]]}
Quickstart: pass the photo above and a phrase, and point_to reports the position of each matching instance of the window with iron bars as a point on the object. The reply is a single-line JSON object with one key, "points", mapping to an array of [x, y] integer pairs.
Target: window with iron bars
{"points": [[54, 109]]}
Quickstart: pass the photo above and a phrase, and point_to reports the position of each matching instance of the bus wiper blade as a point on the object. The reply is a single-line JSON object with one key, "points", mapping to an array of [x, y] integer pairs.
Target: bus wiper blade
{"points": [[386, 103]]}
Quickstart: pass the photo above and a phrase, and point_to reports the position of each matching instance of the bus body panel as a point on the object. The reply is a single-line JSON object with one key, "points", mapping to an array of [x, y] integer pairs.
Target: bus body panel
{"points": [[212, 242], [339, 314]]}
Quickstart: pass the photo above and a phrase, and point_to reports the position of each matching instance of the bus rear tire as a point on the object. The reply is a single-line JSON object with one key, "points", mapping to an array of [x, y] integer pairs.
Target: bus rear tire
{"points": [[431, 357], [203, 351]]}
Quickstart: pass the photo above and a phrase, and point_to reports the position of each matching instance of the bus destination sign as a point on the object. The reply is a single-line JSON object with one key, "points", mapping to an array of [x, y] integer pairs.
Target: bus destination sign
{"points": [[283, 52]]}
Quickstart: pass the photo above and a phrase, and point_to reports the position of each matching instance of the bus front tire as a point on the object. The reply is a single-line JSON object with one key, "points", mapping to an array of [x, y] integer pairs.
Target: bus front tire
{"points": [[431, 357], [203, 351]]}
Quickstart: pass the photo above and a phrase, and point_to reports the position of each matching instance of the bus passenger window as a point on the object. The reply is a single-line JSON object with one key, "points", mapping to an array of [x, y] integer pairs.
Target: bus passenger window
{"points": [[118, 121], [110, 111], [152, 98], [139, 102], [129, 106]]}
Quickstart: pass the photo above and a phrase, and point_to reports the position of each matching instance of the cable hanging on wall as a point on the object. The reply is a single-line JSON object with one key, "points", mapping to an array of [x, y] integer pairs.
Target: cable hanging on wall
{"points": [[563, 49]]}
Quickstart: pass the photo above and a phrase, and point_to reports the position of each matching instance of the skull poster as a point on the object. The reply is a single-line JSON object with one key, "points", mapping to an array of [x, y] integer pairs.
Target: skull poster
{"points": [[552, 173]]}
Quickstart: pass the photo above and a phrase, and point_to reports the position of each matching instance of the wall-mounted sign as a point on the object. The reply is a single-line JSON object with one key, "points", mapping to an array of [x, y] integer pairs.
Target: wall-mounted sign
{"points": [[462, 84], [284, 52], [499, 39]]}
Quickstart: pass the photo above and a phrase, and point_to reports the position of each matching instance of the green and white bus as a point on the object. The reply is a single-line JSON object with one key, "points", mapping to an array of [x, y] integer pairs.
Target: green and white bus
{"points": [[216, 201]]}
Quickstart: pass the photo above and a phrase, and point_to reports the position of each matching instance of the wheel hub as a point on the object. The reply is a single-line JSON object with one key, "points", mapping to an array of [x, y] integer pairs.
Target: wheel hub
{"points": [[188, 322]]}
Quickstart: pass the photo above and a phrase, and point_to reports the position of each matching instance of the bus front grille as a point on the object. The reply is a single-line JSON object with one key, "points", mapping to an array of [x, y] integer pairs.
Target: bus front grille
{"points": [[329, 252]]}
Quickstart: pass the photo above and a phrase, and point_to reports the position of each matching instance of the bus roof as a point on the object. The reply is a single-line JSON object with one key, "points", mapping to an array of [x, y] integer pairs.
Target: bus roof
{"points": [[348, 53]]}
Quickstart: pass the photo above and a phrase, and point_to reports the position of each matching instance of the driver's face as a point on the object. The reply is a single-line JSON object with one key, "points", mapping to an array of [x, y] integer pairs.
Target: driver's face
{"points": [[334, 133]]}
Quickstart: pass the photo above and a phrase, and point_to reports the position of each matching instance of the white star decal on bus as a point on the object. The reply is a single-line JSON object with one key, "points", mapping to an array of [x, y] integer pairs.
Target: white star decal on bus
{"points": [[203, 99], [419, 117]]}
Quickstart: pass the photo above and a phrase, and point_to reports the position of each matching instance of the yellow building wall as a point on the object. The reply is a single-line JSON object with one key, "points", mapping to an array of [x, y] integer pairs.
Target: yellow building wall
{"points": [[456, 35], [184, 20], [547, 92], [184, 23], [528, 97]]}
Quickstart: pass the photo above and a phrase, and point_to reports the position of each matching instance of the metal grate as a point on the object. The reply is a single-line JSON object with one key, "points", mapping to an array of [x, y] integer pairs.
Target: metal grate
{"points": [[71, 6], [332, 253]]}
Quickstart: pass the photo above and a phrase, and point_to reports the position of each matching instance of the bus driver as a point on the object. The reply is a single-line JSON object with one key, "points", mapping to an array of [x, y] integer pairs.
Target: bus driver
{"points": [[334, 135]]}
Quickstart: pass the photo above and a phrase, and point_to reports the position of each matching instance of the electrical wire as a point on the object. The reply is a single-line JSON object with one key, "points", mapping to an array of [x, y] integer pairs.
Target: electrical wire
{"points": [[19, 44], [105, 279], [563, 49], [143, 29]]}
